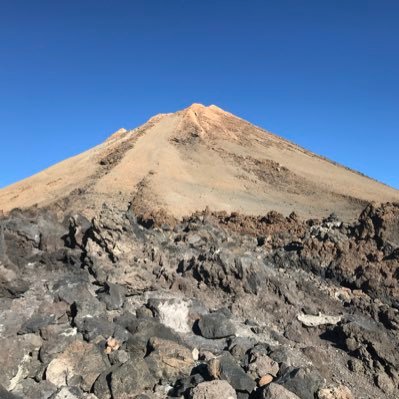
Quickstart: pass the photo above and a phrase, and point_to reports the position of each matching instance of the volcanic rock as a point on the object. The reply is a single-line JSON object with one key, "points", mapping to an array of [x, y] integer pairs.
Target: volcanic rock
{"points": [[215, 325], [214, 390]]}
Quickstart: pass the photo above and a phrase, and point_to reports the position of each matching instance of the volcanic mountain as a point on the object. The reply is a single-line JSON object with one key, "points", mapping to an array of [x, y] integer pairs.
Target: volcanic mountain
{"points": [[196, 158], [114, 287]]}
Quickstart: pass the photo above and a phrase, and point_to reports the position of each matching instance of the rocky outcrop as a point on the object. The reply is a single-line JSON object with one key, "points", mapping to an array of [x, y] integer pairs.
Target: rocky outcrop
{"points": [[218, 305]]}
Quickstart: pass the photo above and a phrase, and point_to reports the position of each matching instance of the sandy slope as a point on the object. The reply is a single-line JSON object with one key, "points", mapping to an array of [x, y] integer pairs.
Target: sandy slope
{"points": [[198, 157]]}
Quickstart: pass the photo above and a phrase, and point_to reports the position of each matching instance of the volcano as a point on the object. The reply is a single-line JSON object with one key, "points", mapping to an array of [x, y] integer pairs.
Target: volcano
{"points": [[195, 158]]}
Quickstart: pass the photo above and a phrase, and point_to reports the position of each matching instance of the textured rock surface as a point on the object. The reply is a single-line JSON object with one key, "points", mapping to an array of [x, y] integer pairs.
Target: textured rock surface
{"points": [[214, 390], [276, 391], [110, 308], [79, 359]]}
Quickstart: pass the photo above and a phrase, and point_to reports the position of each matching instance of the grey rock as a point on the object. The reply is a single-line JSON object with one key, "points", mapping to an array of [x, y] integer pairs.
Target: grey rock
{"points": [[261, 364], [169, 360], [118, 357], [87, 306], [4, 394], [31, 389], [79, 364], [68, 393], [215, 325], [304, 382], [131, 378], [239, 346], [113, 295], [144, 329], [34, 324], [226, 368], [276, 391], [214, 390], [17, 360], [182, 385], [101, 387], [56, 338], [152, 328], [94, 327]]}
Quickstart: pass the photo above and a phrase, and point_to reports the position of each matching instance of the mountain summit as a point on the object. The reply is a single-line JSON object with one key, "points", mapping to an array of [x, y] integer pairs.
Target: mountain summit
{"points": [[195, 158]]}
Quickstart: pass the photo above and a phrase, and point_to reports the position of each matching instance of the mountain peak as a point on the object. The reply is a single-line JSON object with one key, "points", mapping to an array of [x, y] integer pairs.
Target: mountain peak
{"points": [[201, 156], [197, 107]]}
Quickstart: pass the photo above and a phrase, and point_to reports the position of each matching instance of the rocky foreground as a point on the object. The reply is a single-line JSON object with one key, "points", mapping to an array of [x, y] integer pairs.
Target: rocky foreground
{"points": [[216, 306]]}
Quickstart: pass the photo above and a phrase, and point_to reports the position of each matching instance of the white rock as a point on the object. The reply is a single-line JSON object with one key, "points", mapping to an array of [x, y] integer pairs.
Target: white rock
{"points": [[321, 319], [174, 314]]}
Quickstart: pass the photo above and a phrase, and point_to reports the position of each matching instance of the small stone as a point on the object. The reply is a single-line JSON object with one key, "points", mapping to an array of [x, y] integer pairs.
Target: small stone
{"points": [[56, 339], [112, 345], [101, 386], [217, 389], [195, 352], [265, 380]]}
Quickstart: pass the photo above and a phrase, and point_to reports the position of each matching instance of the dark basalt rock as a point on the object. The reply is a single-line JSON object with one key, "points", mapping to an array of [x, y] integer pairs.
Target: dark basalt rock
{"points": [[4, 394], [131, 378], [304, 382], [183, 385], [215, 325], [112, 295], [226, 368], [56, 293]]}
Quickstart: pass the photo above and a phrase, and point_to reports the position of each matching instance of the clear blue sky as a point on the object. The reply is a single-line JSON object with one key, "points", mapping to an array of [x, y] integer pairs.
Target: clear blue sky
{"points": [[324, 74]]}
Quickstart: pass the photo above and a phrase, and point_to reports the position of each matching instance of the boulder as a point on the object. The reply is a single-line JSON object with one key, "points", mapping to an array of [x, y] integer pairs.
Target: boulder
{"points": [[173, 313], [131, 378], [29, 388], [304, 382], [81, 362], [56, 338], [169, 360], [17, 358], [225, 367], [261, 365], [215, 325]]}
